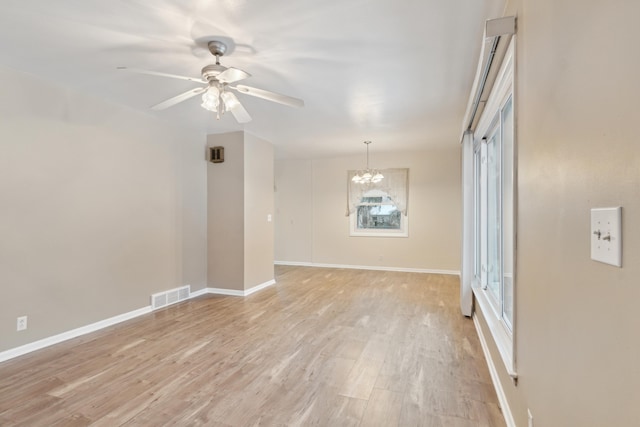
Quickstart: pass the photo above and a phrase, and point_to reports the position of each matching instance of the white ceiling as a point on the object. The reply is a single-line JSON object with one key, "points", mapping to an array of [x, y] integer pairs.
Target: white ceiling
{"points": [[394, 72]]}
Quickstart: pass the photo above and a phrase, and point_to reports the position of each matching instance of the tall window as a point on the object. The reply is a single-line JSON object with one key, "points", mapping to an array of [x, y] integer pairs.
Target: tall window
{"points": [[494, 237], [494, 213]]}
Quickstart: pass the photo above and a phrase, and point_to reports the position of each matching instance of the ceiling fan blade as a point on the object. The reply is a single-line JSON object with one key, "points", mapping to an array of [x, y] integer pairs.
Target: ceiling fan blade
{"points": [[231, 75], [240, 114], [231, 103], [269, 96], [179, 98], [156, 73]]}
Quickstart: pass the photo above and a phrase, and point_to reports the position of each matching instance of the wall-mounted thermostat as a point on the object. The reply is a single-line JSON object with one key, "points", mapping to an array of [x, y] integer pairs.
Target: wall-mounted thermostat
{"points": [[216, 154]]}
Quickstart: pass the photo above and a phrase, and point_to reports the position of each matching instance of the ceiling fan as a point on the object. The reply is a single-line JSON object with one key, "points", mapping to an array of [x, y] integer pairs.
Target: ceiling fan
{"points": [[216, 92]]}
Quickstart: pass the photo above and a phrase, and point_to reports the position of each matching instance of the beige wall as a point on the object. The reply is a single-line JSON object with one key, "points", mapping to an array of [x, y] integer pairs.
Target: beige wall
{"points": [[258, 199], [240, 196], [577, 109], [434, 213], [225, 204], [294, 210], [100, 207]]}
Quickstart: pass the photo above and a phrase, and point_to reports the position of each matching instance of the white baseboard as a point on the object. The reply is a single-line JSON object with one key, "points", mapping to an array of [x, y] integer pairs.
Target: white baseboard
{"points": [[238, 293], [198, 293], [369, 267], [222, 291], [259, 287], [64, 336], [502, 397]]}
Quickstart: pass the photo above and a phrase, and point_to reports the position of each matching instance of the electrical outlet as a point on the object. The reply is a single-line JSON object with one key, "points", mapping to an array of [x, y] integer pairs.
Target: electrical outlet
{"points": [[21, 323]]}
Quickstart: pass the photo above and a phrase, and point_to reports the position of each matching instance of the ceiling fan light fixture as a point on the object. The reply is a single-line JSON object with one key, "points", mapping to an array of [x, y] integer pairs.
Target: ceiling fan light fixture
{"points": [[211, 99], [230, 100]]}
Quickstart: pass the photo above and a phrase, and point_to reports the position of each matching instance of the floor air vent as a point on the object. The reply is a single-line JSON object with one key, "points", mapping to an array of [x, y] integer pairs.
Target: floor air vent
{"points": [[172, 296]]}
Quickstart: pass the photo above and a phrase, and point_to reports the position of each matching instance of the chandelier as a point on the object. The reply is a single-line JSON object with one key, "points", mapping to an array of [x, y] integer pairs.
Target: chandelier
{"points": [[368, 175]]}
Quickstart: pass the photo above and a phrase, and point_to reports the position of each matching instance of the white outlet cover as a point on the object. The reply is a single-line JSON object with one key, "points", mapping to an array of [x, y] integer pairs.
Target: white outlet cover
{"points": [[21, 323], [606, 235]]}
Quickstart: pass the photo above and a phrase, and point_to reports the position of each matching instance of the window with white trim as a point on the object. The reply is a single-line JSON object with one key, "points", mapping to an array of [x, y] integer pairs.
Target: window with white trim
{"points": [[494, 214], [379, 209]]}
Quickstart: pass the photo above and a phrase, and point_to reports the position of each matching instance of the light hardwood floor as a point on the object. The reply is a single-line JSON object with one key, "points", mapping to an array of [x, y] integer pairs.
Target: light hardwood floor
{"points": [[322, 347]]}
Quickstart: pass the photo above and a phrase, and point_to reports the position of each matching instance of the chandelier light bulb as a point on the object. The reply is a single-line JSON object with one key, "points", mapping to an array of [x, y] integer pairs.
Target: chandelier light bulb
{"points": [[230, 100], [211, 99]]}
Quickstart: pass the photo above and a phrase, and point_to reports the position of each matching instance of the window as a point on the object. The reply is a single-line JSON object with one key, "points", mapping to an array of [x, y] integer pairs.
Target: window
{"points": [[493, 246], [376, 215], [494, 214], [379, 209]]}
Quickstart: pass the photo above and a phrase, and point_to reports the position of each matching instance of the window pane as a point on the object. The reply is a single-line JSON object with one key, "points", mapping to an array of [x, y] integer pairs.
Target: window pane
{"points": [[378, 211], [378, 217], [507, 213], [477, 192], [494, 237]]}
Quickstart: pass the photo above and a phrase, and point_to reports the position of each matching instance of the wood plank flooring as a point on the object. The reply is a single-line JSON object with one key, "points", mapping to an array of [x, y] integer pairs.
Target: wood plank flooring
{"points": [[322, 347]]}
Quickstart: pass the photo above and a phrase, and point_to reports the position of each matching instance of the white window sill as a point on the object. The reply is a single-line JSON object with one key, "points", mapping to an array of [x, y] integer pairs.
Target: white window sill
{"points": [[502, 337], [379, 233]]}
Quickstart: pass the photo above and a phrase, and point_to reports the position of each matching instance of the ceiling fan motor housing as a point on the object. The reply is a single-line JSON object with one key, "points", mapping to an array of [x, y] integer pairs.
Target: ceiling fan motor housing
{"points": [[217, 49], [212, 71]]}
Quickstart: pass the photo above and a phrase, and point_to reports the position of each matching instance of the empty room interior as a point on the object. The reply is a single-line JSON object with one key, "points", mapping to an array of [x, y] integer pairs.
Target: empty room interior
{"points": [[336, 213]]}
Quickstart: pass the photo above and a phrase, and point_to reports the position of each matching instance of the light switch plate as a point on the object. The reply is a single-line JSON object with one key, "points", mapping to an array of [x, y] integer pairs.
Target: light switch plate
{"points": [[606, 235]]}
